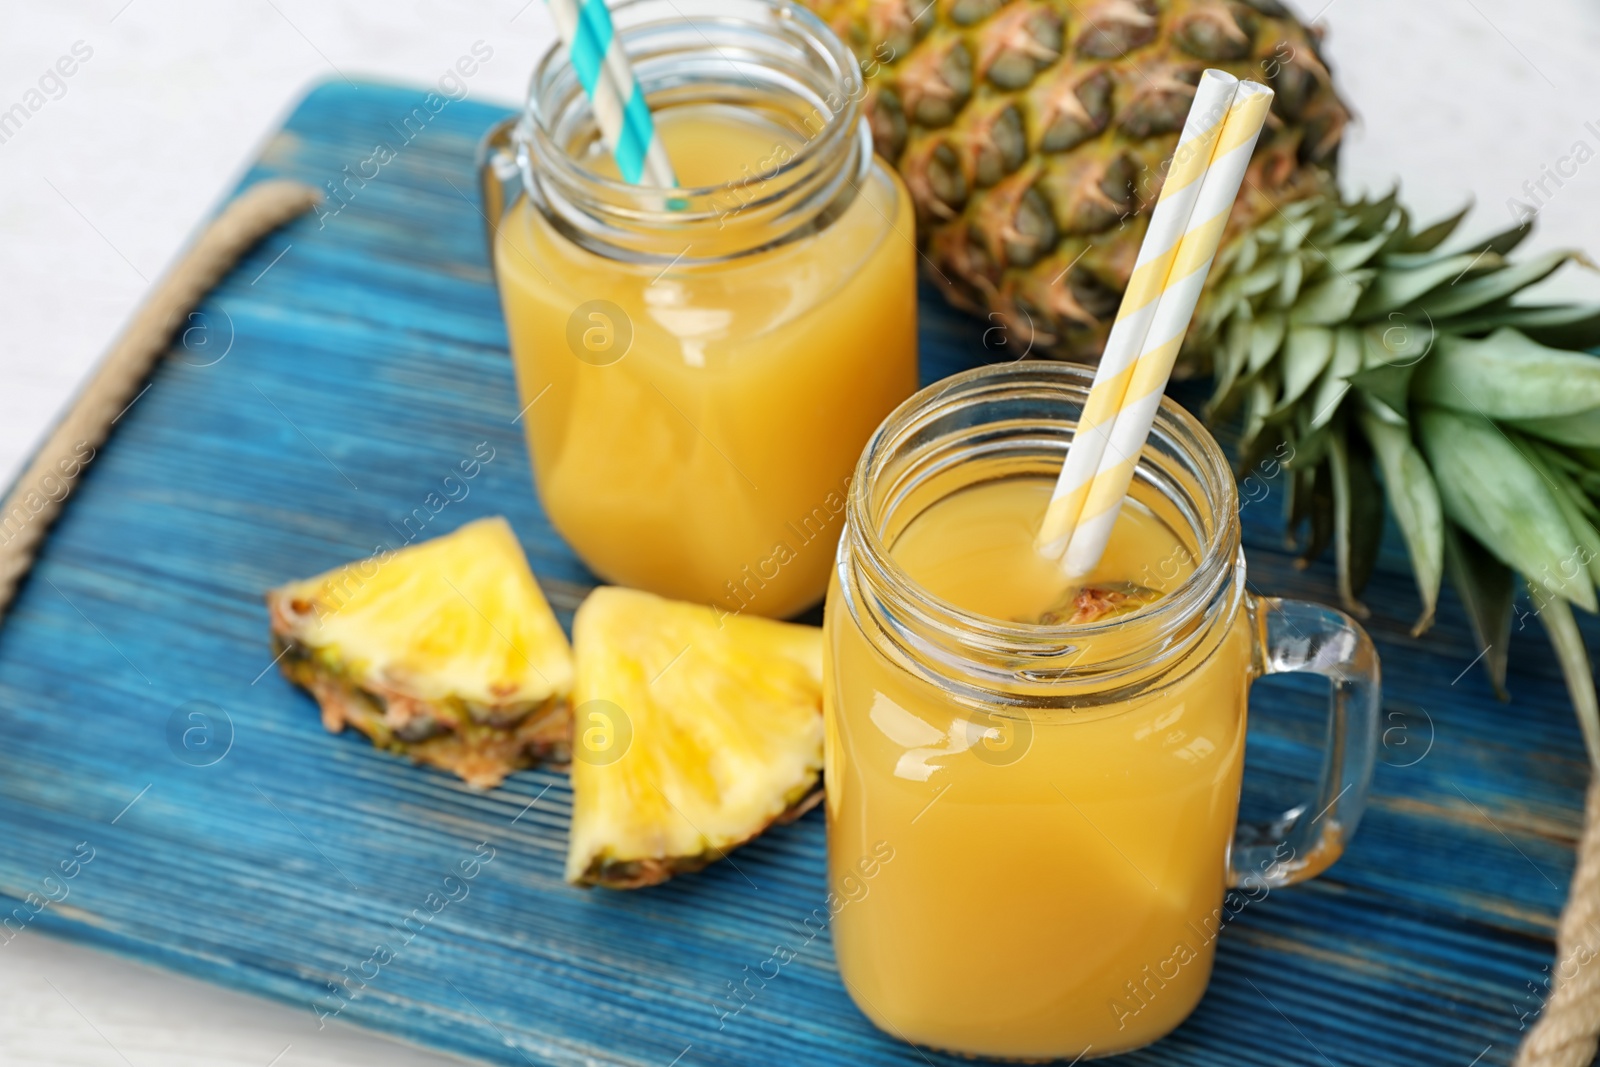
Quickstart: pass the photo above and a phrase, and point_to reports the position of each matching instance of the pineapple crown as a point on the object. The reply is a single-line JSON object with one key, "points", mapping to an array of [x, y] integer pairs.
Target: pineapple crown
{"points": [[1354, 348]]}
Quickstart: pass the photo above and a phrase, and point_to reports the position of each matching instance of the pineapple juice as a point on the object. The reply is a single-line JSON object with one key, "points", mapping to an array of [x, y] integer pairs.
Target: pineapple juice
{"points": [[693, 424], [1058, 877]]}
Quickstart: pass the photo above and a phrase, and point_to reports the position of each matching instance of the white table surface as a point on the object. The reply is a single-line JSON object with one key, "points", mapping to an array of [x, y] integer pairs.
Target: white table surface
{"points": [[101, 187]]}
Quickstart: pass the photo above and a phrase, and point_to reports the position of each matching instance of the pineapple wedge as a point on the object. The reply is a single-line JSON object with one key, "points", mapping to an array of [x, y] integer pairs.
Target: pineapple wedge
{"points": [[694, 732], [445, 651]]}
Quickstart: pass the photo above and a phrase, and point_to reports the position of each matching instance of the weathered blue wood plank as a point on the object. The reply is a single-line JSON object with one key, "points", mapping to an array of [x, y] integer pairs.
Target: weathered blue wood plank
{"points": [[355, 371]]}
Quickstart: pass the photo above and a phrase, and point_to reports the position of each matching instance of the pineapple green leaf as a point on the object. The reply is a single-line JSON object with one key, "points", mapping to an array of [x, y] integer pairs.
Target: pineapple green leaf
{"points": [[1374, 213], [1567, 641], [1305, 354], [1571, 461], [1289, 281], [1502, 243], [1575, 508], [1589, 478], [1296, 231], [1377, 407], [1330, 301], [1221, 303], [1235, 349], [1333, 234], [1380, 379], [1262, 278], [1258, 396], [1568, 326], [1348, 257], [1358, 520], [1486, 590], [1390, 261], [1493, 491], [1463, 296], [1581, 430], [1398, 227], [1428, 239], [1399, 338], [1240, 256], [1508, 376], [1389, 385], [1299, 210], [1311, 443], [1266, 337], [1394, 289], [1335, 381], [1416, 504], [1557, 459]]}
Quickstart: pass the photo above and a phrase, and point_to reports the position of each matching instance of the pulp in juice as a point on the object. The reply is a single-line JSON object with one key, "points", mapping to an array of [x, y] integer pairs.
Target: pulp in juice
{"points": [[1057, 876]]}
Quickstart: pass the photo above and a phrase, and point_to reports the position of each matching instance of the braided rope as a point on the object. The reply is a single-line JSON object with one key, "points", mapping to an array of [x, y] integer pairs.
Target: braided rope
{"points": [[1564, 1035], [38, 496]]}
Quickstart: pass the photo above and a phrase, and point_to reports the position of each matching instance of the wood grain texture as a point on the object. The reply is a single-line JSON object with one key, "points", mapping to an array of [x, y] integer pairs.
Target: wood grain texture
{"points": [[323, 391]]}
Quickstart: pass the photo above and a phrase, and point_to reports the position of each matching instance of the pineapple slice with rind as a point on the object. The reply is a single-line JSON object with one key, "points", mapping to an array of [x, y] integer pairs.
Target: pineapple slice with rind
{"points": [[694, 731], [445, 651]]}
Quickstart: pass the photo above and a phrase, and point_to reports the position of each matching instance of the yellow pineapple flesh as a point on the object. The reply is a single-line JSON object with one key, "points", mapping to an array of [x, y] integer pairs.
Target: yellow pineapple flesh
{"points": [[694, 732], [444, 651]]}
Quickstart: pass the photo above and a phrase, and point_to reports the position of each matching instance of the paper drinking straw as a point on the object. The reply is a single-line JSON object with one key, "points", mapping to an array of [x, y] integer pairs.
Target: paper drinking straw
{"points": [[1147, 379], [1212, 98], [608, 80]]}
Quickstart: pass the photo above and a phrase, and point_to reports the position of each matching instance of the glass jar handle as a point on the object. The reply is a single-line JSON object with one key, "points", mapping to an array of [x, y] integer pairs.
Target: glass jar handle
{"points": [[499, 176], [1298, 636]]}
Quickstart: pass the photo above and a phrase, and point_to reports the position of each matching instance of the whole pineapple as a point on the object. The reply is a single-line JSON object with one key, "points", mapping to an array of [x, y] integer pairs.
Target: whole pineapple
{"points": [[1034, 134]]}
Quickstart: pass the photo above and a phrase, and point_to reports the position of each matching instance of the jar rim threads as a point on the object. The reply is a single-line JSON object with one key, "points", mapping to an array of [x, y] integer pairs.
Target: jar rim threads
{"points": [[1015, 411], [768, 56]]}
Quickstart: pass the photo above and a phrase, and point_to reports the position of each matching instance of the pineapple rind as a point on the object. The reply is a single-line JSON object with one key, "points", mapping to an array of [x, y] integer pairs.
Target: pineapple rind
{"points": [[451, 639], [726, 734], [1037, 220], [612, 873], [481, 755]]}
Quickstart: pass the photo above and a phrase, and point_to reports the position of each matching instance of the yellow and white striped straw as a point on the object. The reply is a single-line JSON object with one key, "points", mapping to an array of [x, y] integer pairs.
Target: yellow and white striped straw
{"points": [[1147, 378], [1168, 222]]}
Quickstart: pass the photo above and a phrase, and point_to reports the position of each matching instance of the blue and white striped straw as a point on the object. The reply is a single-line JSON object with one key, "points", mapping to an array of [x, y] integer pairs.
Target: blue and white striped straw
{"points": [[608, 79]]}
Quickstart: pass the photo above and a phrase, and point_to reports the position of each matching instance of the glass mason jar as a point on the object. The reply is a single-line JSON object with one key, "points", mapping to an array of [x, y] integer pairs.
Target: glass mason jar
{"points": [[1039, 821], [700, 368]]}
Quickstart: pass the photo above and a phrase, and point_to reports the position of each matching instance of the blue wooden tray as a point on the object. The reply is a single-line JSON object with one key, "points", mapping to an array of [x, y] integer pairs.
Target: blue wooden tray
{"points": [[324, 391]]}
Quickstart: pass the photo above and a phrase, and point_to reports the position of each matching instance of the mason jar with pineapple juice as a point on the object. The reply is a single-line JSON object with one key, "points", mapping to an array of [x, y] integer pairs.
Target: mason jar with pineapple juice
{"points": [[700, 367], [1055, 762]]}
